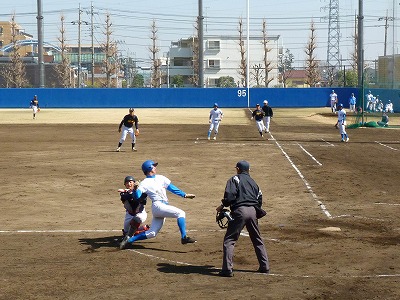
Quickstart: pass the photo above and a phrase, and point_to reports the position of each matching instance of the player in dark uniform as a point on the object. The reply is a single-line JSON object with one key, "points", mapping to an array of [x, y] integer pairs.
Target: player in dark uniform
{"points": [[268, 114], [34, 104], [244, 198], [258, 114], [127, 123]]}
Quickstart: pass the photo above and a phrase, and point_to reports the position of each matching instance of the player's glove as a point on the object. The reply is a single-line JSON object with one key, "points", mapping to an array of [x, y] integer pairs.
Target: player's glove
{"points": [[38, 109], [137, 132], [336, 126]]}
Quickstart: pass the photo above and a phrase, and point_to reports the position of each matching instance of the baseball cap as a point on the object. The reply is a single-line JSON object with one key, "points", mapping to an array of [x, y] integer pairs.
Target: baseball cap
{"points": [[148, 165], [265, 102], [243, 165], [131, 109], [257, 104], [216, 104]]}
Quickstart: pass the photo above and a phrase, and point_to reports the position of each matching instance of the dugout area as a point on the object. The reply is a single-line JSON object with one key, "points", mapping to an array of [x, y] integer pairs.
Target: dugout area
{"points": [[61, 213]]}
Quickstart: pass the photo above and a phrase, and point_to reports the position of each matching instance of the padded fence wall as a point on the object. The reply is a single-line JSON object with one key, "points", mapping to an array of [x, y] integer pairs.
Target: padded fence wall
{"points": [[180, 97]]}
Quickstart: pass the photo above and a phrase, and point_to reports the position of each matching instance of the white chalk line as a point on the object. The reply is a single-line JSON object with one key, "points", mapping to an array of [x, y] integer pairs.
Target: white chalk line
{"points": [[309, 154], [329, 144], [384, 145], [243, 233], [390, 204], [310, 190], [271, 274]]}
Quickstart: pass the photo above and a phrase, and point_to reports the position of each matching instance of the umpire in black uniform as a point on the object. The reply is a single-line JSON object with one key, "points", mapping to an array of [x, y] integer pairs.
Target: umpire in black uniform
{"points": [[244, 198]]}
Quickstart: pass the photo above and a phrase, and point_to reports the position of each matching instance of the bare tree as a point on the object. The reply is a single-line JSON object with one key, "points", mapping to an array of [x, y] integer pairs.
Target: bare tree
{"points": [[63, 69], [285, 62], [156, 64], [268, 66], [354, 55], [14, 73], [257, 74], [111, 65], [243, 62], [312, 71]]}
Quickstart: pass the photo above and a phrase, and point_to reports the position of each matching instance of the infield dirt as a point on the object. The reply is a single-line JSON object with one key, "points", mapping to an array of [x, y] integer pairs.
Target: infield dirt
{"points": [[61, 216]]}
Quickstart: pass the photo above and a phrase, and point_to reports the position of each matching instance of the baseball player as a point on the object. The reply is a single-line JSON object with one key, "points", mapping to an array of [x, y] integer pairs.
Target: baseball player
{"points": [[35, 106], [155, 186], [352, 102], [389, 107], [135, 212], [370, 99], [258, 115], [334, 99], [215, 118], [244, 197], [341, 123], [268, 114], [127, 123]]}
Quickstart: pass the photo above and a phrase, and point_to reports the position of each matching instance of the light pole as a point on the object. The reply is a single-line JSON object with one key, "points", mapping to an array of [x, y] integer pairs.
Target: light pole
{"points": [[40, 43], [248, 54]]}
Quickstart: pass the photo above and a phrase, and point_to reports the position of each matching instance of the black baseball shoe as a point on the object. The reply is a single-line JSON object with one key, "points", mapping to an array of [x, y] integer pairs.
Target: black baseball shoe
{"points": [[225, 273], [187, 240]]}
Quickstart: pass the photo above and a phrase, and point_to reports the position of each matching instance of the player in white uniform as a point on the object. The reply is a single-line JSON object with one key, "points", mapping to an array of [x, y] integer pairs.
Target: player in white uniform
{"points": [[389, 107], [370, 99], [334, 99], [215, 118], [155, 187], [341, 123]]}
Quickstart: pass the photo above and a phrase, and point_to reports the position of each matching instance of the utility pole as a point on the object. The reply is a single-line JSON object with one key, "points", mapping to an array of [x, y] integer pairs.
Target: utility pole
{"points": [[79, 47], [40, 43], [92, 33], [79, 22], [200, 19], [387, 18]]}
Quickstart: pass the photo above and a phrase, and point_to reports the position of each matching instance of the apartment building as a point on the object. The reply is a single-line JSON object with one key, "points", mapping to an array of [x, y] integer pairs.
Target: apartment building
{"points": [[222, 58]]}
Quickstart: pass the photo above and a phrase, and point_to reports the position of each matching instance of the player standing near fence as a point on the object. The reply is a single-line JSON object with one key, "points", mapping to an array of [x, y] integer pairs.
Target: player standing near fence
{"points": [[127, 123], [215, 119], [35, 106], [341, 123]]}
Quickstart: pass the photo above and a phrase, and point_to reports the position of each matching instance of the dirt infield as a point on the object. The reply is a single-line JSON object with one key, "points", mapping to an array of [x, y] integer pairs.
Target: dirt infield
{"points": [[332, 229]]}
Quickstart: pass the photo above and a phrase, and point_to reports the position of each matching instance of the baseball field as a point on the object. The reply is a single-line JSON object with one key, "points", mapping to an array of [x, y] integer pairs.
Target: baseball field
{"points": [[332, 229]]}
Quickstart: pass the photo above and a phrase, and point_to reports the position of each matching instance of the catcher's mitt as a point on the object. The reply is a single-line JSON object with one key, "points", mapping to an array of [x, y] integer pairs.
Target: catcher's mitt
{"points": [[223, 218]]}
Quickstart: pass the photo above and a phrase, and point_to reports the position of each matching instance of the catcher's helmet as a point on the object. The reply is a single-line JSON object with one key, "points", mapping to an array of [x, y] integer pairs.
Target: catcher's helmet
{"points": [[223, 218], [128, 178]]}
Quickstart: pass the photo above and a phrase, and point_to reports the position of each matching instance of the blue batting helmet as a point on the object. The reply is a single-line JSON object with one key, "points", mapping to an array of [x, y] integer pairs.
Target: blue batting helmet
{"points": [[148, 165]]}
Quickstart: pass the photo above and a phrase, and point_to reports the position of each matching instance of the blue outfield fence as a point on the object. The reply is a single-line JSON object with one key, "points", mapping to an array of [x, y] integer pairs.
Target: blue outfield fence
{"points": [[183, 97]]}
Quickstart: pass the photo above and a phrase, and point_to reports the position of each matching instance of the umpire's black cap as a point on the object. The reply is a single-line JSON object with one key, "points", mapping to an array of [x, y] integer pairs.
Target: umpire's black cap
{"points": [[243, 165]]}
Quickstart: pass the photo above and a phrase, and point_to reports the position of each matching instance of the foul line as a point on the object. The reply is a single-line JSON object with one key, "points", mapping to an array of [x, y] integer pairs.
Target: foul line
{"points": [[309, 154], [271, 274], [315, 197], [386, 146], [329, 144]]}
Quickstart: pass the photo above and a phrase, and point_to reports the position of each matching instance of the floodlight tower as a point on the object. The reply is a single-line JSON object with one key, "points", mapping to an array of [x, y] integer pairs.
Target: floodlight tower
{"points": [[333, 52]]}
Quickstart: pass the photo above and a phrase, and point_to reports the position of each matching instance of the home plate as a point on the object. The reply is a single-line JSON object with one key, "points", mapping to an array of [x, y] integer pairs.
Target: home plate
{"points": [[330, 229]]}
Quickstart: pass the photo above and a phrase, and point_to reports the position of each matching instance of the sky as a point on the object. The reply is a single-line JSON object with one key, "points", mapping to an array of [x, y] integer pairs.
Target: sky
{"points": [[175, 19]]}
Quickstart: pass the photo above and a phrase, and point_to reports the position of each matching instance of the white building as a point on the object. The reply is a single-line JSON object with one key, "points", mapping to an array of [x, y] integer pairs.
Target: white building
{"points": [[222, 58]]}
